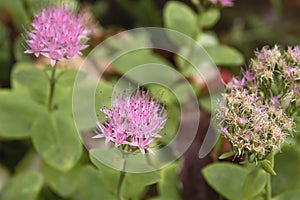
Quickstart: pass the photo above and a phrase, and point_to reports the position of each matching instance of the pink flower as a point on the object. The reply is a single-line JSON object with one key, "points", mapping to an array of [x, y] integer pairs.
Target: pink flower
{"points": [[57, 33], [249, 76], [134, 120], [243, 120], [225, 3], [224, 130], [294, 53], [236, 83]]}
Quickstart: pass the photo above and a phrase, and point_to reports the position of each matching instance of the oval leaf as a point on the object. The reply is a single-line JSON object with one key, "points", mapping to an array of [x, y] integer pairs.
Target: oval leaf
{"points": [[68, 77], [57, 141], [110, 157], [180, 17], [210, 18], [254, 183], [17, 115], [225, 55], [168, 185], [226, 155], [25, 186], [63, 183], [289, 195], [287, 167], [31, 77], [135, 184], [91, 186], [220, 174], [33, 80]]}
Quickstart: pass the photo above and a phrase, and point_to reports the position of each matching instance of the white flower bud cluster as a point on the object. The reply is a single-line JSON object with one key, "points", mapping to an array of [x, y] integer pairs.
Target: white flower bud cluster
{"points": [[256, 112], [252, 125]]}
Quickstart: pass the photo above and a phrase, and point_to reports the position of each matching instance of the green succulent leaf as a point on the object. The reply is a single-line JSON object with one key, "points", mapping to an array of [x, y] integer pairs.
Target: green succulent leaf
{"points": [[56, 139], [288, 195], [220, 174], [26, 78], [90, 185], [18, 112], [111, 157], [63, 183], [186, 22], [68, 77], [266, 165], [288, 172], [225, 56], [25, 186], [167, 186], [254, 183], [135, 184], [226, 155], [209, 18]]}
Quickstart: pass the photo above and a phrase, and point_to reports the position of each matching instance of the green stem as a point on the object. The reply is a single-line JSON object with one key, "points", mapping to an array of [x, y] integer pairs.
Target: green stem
{"points": [[52, 88], [122, 178], [120, 183], [268, 187]]}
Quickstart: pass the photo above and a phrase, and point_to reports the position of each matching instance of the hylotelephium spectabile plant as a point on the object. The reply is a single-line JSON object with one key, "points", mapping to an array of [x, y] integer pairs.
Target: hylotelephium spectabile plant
{"points": [[257, 110], [135, 120], [57, 33]]}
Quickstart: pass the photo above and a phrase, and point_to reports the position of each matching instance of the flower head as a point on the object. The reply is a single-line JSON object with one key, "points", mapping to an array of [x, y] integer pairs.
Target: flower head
{"points": [[57, 33], [257, 110], [134, 120], [249, 123]]}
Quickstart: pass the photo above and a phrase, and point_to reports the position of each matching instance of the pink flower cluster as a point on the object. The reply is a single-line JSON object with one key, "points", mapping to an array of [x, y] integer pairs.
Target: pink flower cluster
{"points": [[57, 33], [134, 120], [225, 3]]}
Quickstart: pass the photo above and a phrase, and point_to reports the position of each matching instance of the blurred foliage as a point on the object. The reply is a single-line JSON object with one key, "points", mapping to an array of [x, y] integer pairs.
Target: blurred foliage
{"points": [[249, 25]]}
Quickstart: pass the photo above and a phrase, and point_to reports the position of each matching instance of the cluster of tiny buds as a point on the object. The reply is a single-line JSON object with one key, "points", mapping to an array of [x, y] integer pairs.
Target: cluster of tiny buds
{"points": [[256, 111], [251, 124]]}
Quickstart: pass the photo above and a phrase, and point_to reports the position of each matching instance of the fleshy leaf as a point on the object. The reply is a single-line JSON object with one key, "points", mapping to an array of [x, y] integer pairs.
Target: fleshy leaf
{"points": [[91, 186], [266, 165], [168, 185], [288, 195], [226, 155], [56, 139], [17, 114], [254, 183], [135, 184], [209, 18], [25, 186], [220, 174], [225, 55], [185, 23], [288, 171], [63, 183], [111, 157]]}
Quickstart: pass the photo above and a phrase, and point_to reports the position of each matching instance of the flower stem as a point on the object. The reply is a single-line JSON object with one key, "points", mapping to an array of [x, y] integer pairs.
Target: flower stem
{"points": [[120, 183], [122, 178], [268, 187], [52, 88]]}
